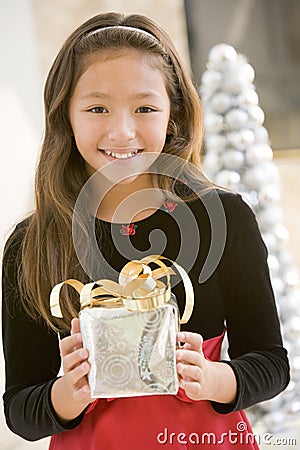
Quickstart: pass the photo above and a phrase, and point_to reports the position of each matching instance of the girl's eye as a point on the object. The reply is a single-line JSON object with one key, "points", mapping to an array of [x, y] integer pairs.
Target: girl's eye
{"points": [[97, 110], [145, 109]]}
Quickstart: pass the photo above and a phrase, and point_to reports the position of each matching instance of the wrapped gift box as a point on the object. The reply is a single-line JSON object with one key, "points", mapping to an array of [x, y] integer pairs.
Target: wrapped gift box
{"points": [[130, 329], [131, 353]]}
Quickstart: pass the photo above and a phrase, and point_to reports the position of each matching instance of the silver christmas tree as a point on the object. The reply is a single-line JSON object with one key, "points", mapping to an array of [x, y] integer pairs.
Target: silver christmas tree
{"points": [[239, 156]]}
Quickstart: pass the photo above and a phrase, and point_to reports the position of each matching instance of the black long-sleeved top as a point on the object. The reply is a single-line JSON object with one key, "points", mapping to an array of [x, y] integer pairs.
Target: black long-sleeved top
{"points": [[237, 293]]}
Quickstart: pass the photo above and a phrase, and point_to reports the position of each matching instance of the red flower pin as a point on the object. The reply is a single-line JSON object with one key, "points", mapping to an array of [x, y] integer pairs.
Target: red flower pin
{"points": [[128, 230], [170, 206]]}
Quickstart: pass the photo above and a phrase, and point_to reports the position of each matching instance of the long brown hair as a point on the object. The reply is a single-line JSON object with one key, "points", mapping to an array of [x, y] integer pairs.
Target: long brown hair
{"points": [[48, 254]]}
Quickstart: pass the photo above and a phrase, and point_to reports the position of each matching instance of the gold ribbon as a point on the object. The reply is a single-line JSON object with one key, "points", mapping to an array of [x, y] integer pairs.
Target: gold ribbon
{"points": [[138, 289]]}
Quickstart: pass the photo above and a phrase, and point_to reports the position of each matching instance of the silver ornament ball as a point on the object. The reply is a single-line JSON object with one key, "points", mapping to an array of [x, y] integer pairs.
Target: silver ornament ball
{"points": [[292, 302], [256, 115], [281, 233], [236, 118], [221, 102], [221, 54], [235, 83], [273, 264], [213, 123], [270, 241], [212, 164], [292, 327], [269, 217], [228, 178], [295, 363], [248, 72], [257, 153], [269, 195], [271, 172], [291, 278], [247, 98], [211, 80], [261, 135], [254, 178], [215, 142], [240, 139], [233, 159]]}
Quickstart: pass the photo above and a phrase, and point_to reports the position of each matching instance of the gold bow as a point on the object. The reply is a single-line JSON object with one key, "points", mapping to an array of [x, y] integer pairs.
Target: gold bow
{"points": [[138, 289]]}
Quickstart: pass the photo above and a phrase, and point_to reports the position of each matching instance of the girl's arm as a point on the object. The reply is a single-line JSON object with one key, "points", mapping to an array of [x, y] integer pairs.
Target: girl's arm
{"points": [[238, 295], [32, 358], [258, 357]]}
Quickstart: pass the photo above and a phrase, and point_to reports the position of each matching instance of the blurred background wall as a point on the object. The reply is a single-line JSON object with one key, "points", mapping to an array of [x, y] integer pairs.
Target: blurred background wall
{"points": [[268, 33], [31, 31]]}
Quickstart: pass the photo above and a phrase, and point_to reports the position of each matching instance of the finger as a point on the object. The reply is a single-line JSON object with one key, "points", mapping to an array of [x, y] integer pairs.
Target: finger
{"points": [[75, 326], [192, 389], [77, 377], [70, 343], [75, 358], [75, 329], [81, 390], [189, 373], [193, 340], [189, 357], [79, 372], [82, 394]]}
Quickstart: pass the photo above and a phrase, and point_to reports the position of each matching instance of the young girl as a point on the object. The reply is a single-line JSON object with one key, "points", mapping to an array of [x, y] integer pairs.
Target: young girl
{"points": [[119, 102]]}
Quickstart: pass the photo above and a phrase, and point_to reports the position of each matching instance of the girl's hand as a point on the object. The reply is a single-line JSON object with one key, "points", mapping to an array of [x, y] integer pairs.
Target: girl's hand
{"points": [[200, 378], [75, 365], [192, 367]]}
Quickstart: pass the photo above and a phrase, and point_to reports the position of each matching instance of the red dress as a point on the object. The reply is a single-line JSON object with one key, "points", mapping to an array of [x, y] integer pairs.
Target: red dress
{"points": [[158, 422]]}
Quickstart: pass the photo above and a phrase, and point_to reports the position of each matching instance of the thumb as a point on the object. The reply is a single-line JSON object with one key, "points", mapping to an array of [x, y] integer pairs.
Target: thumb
{"points": [[192, 341], [75, 326]]}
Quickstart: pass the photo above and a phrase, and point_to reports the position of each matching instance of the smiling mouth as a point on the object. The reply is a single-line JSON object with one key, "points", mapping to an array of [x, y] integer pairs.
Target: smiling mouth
{"points": [[123, 155]]}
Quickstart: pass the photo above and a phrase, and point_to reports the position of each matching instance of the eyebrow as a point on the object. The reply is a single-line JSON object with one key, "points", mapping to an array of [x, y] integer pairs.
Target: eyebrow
{"points": [[95, 94], [139, 95]]}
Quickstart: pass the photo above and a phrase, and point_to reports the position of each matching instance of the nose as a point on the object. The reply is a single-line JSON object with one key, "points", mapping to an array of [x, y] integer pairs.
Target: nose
{"points": [[122, 127]]}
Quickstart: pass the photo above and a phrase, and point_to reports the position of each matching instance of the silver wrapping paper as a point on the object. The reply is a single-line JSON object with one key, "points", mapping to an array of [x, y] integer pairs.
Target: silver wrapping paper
{"points": [[131, 353]]}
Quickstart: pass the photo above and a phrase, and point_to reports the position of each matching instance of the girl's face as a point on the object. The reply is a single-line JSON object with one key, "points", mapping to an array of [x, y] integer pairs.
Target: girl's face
{"points": [[119, 111]]}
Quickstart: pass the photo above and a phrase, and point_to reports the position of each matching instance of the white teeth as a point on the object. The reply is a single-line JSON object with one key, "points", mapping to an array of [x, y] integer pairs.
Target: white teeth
{"points": [[120, 155]]}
